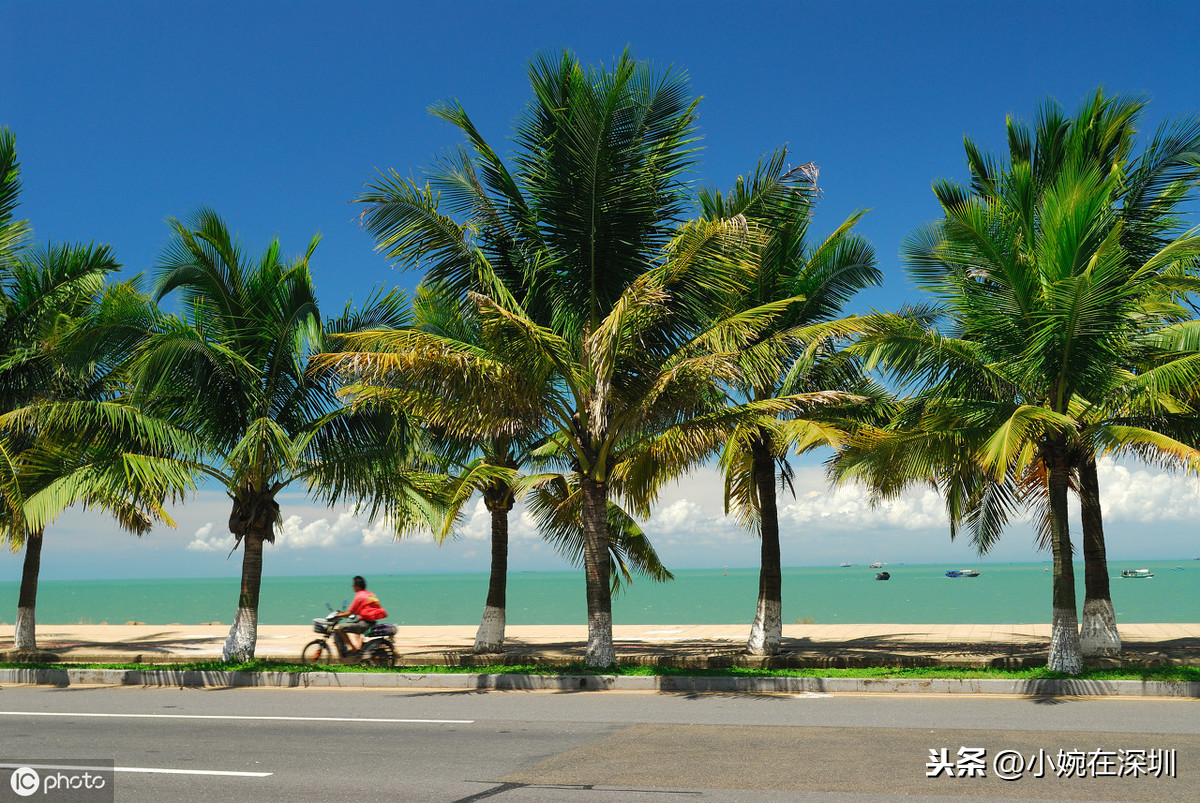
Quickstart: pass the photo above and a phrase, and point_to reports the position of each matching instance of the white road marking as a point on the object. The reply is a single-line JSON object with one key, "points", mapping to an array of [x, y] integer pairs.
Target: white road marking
{"points": [[162, 770], [227, 716], [166, 771]]}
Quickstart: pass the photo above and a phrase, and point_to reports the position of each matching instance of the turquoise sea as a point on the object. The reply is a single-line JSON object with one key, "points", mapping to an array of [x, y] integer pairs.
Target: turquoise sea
{"points": [[1016, 593]]}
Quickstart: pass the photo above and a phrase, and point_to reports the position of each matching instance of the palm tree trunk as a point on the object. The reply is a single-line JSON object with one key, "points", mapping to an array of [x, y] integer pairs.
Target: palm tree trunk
{"points": [[600, 649], [766, 633], [243, 635], [490, 636], [1099, 635], [24, 636], [1065, 655]]}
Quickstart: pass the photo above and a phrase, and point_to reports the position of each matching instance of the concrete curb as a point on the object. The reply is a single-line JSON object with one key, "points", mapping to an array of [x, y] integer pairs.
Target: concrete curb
{"points": [[671, 684]]}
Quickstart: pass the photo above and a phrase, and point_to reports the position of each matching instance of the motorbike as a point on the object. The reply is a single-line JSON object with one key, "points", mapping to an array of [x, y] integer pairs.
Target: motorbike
{"points": [[378, 647]]}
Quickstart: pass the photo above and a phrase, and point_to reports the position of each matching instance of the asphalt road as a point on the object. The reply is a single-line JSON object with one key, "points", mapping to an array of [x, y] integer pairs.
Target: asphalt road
{"points": [[513, 747]]}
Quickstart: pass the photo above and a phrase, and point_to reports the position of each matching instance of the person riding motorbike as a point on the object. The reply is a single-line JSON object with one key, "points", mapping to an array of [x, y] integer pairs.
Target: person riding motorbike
{"points": [[366, 607]]}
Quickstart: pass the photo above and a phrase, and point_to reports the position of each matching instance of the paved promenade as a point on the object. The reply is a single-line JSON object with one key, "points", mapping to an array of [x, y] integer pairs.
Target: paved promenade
{"points": [[691, 646]]}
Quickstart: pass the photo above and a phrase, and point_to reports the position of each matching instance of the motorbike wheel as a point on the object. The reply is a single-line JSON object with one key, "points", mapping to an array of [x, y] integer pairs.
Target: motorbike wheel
{"points": [[381, 655], [315, 652]]}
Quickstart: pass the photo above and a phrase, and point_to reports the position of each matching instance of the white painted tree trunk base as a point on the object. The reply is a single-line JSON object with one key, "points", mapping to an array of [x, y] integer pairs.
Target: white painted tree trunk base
{"points": [[766, 634], [25, 632], [1065, 655], [1099, 636], [243, 635], [600, 649], [490, 635]]}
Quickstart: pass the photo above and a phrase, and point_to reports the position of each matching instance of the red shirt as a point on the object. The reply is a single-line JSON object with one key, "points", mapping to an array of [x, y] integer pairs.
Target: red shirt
{"points": [[367, 606]]}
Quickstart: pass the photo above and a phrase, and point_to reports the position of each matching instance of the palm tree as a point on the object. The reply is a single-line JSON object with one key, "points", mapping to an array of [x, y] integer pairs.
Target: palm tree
{"points": [[1148, 197], [38, 291], [45, 295], [490, 466], [1043, 307], [233, 368], [561, 258], [614, 319], [815, 282], [644, 438]]}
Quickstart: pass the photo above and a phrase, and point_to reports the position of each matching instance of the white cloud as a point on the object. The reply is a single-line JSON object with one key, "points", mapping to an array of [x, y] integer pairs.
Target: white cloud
{"points": [[319, 533], [848, 507], [205, 541], [676, 516], [478, 525], [380, 532], [698, 503], [524, 527], [346, 530], [1147, 496]]}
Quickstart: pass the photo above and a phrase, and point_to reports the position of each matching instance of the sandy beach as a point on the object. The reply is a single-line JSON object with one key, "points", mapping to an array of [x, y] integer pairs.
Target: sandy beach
{"points": [[685, 644]]}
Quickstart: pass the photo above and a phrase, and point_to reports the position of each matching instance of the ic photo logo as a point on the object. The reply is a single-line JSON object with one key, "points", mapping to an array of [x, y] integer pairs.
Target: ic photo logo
{"points": [[25, 781], [58, 780]]}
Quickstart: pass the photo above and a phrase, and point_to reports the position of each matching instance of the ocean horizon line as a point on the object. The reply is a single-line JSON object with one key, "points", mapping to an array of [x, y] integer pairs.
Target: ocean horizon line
{"points": [[1114, 564]]}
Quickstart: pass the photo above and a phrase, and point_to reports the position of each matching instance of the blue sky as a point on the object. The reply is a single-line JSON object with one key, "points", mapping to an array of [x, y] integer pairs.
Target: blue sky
{"points": [[276, 114]]}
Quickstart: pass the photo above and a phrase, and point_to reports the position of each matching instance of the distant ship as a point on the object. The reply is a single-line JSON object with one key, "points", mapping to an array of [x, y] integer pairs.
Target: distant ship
{"points": [[962, 573]]}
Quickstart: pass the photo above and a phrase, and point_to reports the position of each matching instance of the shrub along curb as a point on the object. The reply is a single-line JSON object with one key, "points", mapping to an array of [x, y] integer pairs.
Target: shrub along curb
{"points": [[64, 676]]}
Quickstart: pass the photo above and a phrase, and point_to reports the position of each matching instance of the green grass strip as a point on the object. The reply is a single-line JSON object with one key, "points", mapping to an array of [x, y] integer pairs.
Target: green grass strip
{"points": [[1160, 673]]}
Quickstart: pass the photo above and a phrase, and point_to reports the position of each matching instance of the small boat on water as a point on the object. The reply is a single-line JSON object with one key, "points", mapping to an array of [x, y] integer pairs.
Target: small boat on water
{"points": [[846, 565], [962, 573], [875, 565], [1141, 573], [883, 576]]}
